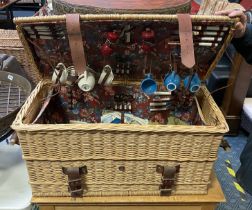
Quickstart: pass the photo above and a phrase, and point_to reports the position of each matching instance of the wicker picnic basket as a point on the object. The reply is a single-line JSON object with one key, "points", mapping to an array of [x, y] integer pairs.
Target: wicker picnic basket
{"points": [[119, 159], [10, 44]]}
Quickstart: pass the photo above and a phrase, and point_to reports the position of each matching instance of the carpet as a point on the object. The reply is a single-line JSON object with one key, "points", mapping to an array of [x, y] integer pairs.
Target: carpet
{"points": [[233, 198]]}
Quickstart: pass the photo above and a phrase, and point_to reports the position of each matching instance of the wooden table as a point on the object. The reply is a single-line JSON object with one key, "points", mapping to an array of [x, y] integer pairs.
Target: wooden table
{"points": [[178, 202]]}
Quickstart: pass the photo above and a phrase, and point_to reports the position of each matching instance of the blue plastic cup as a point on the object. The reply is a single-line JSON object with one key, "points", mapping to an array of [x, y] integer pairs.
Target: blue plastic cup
{"points": [[172, 81], [195, 83], [148, 85]]}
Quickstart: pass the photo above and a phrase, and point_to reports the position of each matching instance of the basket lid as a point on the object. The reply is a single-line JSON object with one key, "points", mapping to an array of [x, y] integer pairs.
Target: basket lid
{"points": [[116, 7], [133, 45]]}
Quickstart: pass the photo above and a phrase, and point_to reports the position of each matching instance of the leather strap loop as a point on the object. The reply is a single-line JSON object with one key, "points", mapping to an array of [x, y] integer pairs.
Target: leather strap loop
{"points": [[75, 185], [76, 43], [186, 40]]}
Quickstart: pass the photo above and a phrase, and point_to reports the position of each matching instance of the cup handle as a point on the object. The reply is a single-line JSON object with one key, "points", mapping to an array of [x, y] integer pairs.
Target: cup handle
{"points": [[107, 70], [85, 74]]}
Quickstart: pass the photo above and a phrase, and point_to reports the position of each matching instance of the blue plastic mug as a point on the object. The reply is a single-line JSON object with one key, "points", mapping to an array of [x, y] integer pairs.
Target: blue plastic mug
{"points": [[172, 81], [195, 83], [148, 85]]}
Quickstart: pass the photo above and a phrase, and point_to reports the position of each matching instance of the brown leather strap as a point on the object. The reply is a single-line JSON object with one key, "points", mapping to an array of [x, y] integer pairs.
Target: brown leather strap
{"points": [[74, 179], [76, 43], [168, 178], [186, 40]]}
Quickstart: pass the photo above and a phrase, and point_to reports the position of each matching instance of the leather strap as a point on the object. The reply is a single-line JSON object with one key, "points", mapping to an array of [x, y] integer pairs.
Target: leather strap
{"points": [[76, 43], [74, 180], [168, 178], [186, 40]]}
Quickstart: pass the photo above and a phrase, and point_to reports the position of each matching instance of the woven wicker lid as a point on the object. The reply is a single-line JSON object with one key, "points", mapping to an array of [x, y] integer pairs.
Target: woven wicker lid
{"points": [[125, 6], [129, 4], [46, 41]]}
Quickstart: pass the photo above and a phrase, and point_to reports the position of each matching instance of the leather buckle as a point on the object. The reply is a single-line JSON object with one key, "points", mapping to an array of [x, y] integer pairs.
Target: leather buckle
{"points": [[75, 186], [168, 178], [165, 192]]}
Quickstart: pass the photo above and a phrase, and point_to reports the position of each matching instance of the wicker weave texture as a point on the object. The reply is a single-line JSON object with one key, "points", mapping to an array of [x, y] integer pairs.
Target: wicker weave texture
{"points": [[104, 176], [10, 44], [161, 7], [149, 190], [103, 148], [85, 143], [118, 146]]}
